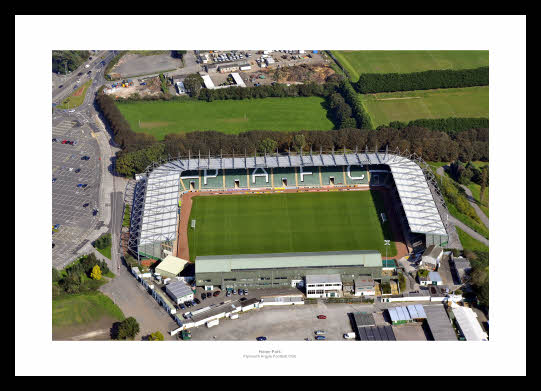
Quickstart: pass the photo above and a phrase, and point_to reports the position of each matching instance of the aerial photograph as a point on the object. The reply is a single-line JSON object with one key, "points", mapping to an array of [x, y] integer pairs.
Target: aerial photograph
{"points": [[289, 195], [293, 211]]}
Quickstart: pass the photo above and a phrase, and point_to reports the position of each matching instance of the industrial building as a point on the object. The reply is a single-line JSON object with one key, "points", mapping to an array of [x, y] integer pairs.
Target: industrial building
{"points": [[365, 286], [170, 267], [439, 323], [283, 269], [468, 324], [179, 291]]}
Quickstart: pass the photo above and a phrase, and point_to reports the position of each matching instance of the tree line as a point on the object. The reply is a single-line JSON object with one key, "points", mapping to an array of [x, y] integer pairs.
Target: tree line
{"points": [[431, 145], [73, 282], [370, 83], [65, 61], [451, 125]]}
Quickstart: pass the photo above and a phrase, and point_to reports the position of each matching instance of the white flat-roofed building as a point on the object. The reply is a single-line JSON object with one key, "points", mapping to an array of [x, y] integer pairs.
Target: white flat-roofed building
{"points": [[432, 257], [208, 82], [323, 285], [238, 80], [180, 88], [468, 323]]}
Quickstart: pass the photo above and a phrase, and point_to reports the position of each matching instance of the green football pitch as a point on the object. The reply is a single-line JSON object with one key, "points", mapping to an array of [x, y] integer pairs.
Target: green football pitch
{"points": [[160, 118], [406, 61], [289, 222]]}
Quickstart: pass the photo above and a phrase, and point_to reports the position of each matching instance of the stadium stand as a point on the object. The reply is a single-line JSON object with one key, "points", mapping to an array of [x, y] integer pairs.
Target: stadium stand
{"points": [[308, 176], [236, 179], [284, 173], [356, 175], [190, 180], [212, 179], [332, 176], [260, 177]]}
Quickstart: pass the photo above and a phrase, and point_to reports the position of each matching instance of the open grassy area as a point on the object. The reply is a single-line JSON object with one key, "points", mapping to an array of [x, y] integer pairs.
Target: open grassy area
{"points": [[106, 252], [83, 308], [406, 61], [229, 116], [476, 193], [292, 222], [442, 103], [75, 99], [470, 243]]}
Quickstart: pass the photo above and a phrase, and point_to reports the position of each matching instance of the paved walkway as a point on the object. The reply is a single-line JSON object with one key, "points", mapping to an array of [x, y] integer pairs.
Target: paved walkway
{"points": [[472, 202]]}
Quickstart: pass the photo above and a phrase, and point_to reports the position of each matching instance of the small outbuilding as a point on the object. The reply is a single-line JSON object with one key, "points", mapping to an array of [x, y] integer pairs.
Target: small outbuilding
{"points": [[170, 267], [365, 286], [431, 258], [179, 291]]}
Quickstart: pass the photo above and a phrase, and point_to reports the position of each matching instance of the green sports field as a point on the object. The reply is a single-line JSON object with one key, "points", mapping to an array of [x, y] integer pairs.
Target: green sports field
{"points": [[442, 103], [406, 61], [229, 116], [289, 222]]}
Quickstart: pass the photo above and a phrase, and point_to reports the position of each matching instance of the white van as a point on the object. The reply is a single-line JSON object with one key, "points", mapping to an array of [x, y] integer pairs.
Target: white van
{"points": [[350, 335]]}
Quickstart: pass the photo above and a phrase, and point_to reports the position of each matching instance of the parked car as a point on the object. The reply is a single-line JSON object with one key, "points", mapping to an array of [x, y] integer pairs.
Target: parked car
{"points": [[55, 140], [261, 338], [203, 295], [216, 293], [320, 337], [74, 143], [209, 294], [56, 226], [60, 86], [84, 186], [85, 205], [245, 292], [194, 303], [243, 298], [234, 292], [64, 141], [85, 158], [182, 306], [78, 170], [239, 291], [197, 301], [79, 185], [94, 212], [187, 304], [320, 332], [228, 293], [321, 317], [54, 180]]}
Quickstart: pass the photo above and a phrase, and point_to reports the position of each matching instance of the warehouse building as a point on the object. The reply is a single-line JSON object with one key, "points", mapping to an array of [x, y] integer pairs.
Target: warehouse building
{"points": [[432, 256], [283, 269], [365, 286], [439, 323], [179, 291]]}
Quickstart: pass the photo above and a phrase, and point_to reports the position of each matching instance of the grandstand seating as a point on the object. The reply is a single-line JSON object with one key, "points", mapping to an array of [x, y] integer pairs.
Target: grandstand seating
{"points": [[232, 175], [260, 177], [287, 173], [336, 173], [355, 175], [214, 179], [310, 177], [188, 177]]}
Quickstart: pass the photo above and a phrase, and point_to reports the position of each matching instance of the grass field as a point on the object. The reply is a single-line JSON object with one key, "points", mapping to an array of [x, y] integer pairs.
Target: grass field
{"points": [[71, 310], [75, 99], [468, 242], [291, 222], [228, 116], [441, 103], [106, 252], [406, 61]]}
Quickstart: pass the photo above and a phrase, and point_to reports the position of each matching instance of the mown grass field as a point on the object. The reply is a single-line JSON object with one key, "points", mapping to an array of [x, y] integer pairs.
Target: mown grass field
{"points": [[69, 310], [228, 116], [292, 222], [406, 61], [441, 103]]}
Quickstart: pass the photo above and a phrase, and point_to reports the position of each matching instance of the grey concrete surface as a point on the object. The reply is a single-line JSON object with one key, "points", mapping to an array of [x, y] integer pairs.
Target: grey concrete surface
{"points": [[131, 65]]}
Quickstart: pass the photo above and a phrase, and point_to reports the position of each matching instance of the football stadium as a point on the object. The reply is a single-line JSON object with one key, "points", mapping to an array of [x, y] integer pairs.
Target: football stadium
{"points": [[284, 216]]}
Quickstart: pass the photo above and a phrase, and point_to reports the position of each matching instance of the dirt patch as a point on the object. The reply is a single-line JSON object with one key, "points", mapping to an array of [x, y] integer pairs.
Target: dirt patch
{"points": [[150, 125], [182, 249], [79, 91], [303, 73], [152, 87], [94, 331]]}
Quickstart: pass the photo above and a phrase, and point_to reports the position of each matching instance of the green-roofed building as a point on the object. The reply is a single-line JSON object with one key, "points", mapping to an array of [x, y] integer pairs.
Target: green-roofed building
{"points": [[283, 269]]}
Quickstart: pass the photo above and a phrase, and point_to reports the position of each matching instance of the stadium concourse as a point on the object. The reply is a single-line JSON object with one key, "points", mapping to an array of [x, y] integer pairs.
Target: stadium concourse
{"points": [[163, 193]]}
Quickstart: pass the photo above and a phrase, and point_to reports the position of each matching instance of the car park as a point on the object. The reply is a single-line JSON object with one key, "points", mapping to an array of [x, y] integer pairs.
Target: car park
{"points": [[321, 317], [261, 338]]}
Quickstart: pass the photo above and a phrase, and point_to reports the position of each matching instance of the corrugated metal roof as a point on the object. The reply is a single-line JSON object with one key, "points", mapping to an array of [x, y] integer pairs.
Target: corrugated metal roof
{"points": [[226, 263], [439, 323], [171, 264], [434, 276], [323, 279], [178, 289]]}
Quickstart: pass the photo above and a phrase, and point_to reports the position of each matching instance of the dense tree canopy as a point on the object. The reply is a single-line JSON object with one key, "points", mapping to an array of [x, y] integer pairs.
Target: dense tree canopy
{"points": [[65, 61]]}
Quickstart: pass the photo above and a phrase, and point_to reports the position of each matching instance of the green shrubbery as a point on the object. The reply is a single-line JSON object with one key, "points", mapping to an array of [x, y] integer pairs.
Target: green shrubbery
{"points": [[68, 60], [354, 100], [370, 83], [451, 125], [103, 241], [76, 277]]}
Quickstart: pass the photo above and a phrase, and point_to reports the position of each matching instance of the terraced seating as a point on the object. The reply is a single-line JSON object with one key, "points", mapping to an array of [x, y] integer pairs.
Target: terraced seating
{"points": [[214, 179], [188, 177], [334, 173], [310, 176], [232, 175], [357, 175], [260, 177], [281, 173]]}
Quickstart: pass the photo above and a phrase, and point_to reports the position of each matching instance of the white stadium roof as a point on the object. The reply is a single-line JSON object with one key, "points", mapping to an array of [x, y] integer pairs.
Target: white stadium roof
{"points": [[160, 209]]}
